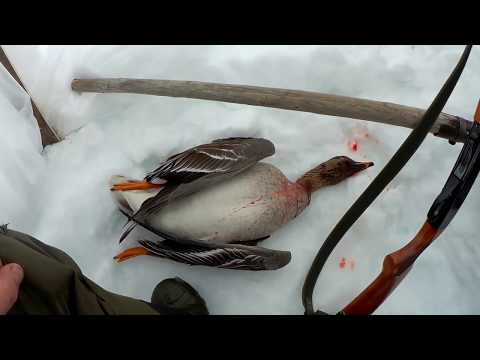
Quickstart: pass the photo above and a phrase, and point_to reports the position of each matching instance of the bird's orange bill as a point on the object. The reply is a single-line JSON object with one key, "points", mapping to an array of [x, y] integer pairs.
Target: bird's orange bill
{"points": [[476, 118], [135, 185], [131, 253]]}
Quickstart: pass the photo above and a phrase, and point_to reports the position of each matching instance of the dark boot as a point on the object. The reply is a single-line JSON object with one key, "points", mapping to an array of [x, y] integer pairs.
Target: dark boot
{"points": [[176, 297]]}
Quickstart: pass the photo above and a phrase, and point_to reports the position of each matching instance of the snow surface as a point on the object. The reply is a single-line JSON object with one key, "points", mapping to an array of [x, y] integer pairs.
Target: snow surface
{"points": [[61, 195]]}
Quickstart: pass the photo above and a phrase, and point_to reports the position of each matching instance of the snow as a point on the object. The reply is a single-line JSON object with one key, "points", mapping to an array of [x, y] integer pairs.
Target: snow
{"points": [[20, 146], [61, 195]]}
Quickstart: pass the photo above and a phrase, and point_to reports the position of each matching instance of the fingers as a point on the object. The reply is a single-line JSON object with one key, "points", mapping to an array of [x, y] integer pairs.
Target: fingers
{"points": [[11, 276]]}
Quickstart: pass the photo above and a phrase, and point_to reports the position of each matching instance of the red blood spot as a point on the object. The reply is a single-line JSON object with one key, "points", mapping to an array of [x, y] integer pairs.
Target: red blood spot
{"points": [[353, 145], [342, 263]]}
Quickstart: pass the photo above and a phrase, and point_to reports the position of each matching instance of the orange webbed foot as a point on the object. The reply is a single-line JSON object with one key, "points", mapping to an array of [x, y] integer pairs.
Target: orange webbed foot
{"points": [[135, 185], [131, 253]]}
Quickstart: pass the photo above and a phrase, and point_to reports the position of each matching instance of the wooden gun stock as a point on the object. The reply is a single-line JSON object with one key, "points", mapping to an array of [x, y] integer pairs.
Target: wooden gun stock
{"points": [[476, 117], [395, 266]]}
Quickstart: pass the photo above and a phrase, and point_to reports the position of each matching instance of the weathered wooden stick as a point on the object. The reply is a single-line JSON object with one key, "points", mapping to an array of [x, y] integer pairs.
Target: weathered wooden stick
{"points": [[447, 126]]}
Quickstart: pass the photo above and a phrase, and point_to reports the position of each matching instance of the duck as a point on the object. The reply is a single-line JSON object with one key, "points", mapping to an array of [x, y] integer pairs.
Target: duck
{"points": [[213, 203]]}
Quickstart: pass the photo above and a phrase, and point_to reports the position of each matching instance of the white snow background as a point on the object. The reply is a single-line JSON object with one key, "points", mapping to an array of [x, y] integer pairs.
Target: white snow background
{"points": [[61, 195]]}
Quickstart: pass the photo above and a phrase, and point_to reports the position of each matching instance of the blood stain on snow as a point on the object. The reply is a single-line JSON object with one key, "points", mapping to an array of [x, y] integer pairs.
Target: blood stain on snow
{"points": [[353, 145], [344, 262]]}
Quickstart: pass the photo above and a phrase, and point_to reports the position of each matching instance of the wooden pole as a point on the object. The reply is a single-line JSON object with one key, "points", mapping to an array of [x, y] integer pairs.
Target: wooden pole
{"points": [[447, 126]]}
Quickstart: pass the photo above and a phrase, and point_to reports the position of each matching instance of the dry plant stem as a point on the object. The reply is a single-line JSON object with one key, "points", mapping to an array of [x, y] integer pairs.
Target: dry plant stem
{"points": [[48, 135]]}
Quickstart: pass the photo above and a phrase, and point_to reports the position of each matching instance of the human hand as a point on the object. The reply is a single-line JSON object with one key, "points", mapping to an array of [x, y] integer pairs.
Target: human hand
{"points": [[11, 276]]}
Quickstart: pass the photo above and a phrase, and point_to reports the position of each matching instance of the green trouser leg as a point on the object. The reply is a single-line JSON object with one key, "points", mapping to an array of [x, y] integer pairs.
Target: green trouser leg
{"points": [[54, 284]]}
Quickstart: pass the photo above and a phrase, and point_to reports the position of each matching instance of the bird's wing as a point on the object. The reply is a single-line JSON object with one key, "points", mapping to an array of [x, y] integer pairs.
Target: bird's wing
{"points": [[218, 157], [227, 256], [202, 166]]}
